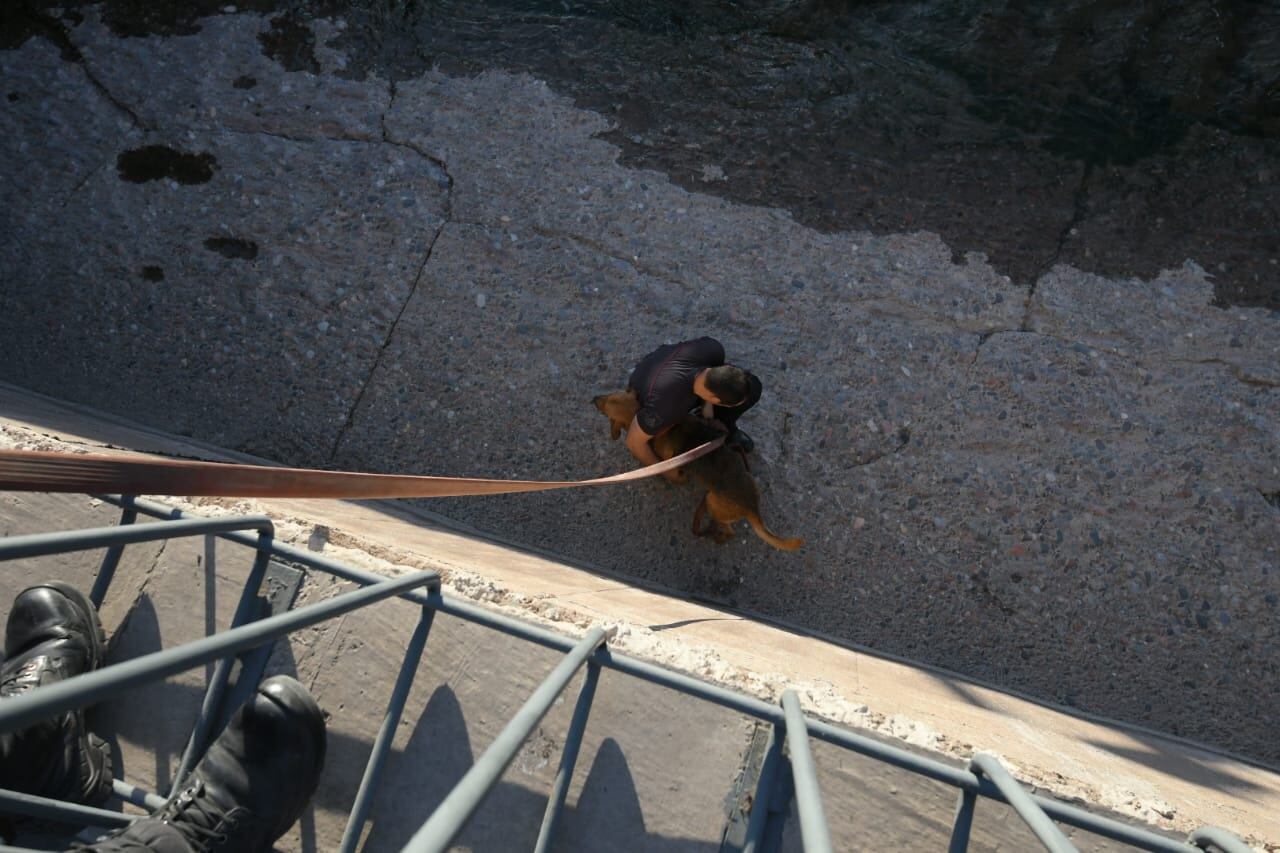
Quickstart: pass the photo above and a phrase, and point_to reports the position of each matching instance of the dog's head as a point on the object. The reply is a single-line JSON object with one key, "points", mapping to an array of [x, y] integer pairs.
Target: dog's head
{"points": [[620, 408]]}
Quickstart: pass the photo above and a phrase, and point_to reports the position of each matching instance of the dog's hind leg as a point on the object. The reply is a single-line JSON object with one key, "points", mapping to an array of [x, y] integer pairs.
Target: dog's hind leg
{"points": [[697, 518], [723, 533]]}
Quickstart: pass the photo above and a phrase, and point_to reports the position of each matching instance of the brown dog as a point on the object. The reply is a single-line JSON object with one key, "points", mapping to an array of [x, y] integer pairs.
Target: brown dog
{"points": [[731, 495], [619, 408]]}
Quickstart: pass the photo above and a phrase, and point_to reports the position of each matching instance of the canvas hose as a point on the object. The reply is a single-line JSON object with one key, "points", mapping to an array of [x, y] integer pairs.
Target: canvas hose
{"points": [[51, 471]]}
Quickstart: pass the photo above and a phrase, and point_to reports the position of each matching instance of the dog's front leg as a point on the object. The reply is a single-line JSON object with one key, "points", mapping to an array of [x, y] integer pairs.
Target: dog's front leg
{"points": [[697, 517]]}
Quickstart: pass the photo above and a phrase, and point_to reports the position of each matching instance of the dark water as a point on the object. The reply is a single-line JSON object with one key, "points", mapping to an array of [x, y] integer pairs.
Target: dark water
{"points": [[1120, 136]]}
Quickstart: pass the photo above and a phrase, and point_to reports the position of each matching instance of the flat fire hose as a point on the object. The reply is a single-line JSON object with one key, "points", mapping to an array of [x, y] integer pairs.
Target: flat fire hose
{"points": [[46, 471]]}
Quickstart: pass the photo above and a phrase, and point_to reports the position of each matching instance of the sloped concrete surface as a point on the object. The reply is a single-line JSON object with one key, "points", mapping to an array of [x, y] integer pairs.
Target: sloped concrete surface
{"points": [[1069, 491], [650, 745]]}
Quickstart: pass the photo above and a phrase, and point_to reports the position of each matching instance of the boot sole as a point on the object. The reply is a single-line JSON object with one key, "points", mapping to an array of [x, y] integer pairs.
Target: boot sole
{"points": [[96, 769]]}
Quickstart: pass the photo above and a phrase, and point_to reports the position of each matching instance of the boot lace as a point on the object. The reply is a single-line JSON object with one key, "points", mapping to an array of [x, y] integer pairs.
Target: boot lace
{"points": [[200, 820], [26, 677]]}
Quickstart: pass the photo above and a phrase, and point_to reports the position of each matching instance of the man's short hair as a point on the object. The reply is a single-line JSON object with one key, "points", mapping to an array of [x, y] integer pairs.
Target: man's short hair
{"points": [[730, 384]]}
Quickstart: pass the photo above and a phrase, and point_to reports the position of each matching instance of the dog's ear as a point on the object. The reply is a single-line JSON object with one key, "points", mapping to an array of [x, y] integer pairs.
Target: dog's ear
{"points": [[615, 430], [599, 402]]}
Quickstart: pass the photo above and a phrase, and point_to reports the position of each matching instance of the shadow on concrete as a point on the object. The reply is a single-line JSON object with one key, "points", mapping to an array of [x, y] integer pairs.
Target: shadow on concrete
{"points": [[1152, 752], [417, 780], [171, 707], [608, 814], [963, 691], [683, 622], [607, 803]]}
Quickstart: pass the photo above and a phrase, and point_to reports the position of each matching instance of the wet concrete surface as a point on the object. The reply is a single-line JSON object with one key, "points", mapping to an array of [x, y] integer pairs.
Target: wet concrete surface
{"points": [[1066, 489], [1120, 136]]}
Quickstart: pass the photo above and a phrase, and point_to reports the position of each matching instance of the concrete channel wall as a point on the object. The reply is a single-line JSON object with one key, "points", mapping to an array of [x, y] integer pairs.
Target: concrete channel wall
{"points": [[659, 769], [1067, 487]]}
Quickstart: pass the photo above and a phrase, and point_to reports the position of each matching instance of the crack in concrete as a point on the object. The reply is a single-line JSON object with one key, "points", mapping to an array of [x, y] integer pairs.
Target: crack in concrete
{"points": [[81, 183], [413, 290], [275, 134], [56, 32], [1236, 371], [377, 361], [986, 336], [106, 93], [388, 139], [122, 628], [1077, 214], [600, 248]]}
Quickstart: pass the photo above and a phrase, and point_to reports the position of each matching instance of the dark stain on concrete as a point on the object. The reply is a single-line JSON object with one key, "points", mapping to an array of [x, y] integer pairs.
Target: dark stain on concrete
{"points": [[233, 247], [157, 162], [26, 19], [153, 273], [291, 43], [14, 96], [137, 18], [244, 81], [1013, 130]]}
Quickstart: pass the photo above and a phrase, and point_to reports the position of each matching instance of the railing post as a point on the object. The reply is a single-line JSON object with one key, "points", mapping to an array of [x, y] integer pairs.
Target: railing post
{"points": [[211, 707], [43, 808], [387, 733], [963, 822], [771, 800], [814, 831], [568, 758], [107, 570]]}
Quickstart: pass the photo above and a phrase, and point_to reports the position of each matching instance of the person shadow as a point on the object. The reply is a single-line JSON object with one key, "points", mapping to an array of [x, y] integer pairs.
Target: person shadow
{"points": [[606, 815], [419, 778]]}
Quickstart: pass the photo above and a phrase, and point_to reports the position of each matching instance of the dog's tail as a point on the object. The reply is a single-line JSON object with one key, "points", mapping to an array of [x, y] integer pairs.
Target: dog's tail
{"points": [[758, 525]]}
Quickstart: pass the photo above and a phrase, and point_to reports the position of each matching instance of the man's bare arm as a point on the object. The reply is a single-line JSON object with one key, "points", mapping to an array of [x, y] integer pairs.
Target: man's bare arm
{"points": [[638, 444]]}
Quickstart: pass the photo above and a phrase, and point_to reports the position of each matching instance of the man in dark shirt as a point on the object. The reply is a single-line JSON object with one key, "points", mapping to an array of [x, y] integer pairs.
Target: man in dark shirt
{"points": [[676, 379]]}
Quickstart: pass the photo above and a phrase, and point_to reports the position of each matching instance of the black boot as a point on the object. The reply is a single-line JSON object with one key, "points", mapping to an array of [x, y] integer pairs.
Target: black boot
{"points": [[251, 785], [740, 440], [53, 634]]}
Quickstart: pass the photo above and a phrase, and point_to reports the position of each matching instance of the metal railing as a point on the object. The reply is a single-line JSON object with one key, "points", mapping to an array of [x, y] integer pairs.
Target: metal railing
{"points": [[783, 777]]}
